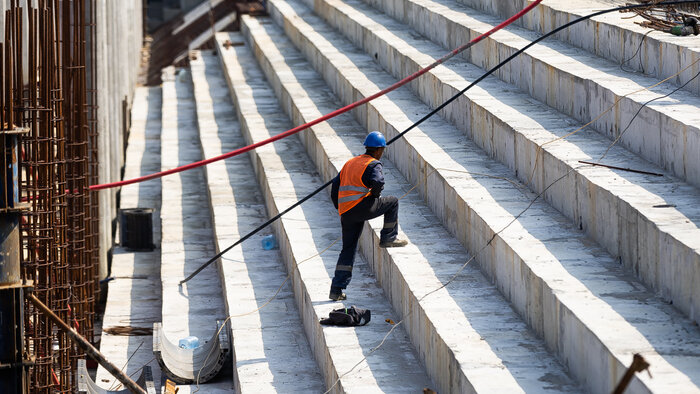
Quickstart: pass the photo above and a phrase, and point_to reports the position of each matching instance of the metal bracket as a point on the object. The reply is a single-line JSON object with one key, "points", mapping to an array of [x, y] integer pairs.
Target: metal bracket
{"points": [[183, 365], [87, 386]]}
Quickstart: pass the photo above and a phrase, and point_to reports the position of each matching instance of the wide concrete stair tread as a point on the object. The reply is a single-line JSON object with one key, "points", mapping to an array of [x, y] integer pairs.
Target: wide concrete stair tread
{"points": [[614, 36], [194, 308], [303, 233], [271, 353], [567, 79], [571, 292], [133, 296], [616, 208], [482, 356]]}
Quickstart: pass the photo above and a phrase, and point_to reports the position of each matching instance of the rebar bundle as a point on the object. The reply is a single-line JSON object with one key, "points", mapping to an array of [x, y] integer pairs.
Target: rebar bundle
{"points": [[664, 17], [54, 96]]}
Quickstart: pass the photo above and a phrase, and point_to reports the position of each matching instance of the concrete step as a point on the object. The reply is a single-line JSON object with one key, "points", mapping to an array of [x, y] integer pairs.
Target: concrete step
{"points": [[285, 175], [271, 353], [133, 296], [613, 36], [567, 79], [616, 208], [186, 240], [570, 291], [468, 337]]}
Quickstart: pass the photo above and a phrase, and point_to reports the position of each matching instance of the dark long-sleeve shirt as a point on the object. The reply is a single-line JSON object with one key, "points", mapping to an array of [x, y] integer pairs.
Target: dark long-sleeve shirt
{"points": [[373, 178]]}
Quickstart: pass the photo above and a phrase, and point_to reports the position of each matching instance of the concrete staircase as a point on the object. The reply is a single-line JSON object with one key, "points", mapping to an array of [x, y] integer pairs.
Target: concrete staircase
{"points": [[271, 353], [186, 228], [615, 209], [306, 236], [133, 296], [590, 270], [498, 290]]}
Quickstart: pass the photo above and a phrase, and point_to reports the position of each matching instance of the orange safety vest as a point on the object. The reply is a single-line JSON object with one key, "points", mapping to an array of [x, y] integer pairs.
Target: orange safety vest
{"points": [[352, 190]]}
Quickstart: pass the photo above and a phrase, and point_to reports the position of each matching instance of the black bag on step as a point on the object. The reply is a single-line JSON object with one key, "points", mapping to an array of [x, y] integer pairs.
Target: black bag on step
{"points": [[348, 317]]}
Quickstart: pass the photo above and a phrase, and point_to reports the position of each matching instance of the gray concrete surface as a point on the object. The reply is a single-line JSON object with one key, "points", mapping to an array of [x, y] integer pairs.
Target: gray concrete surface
{"points": [[285, 175], [119, 40], [567, 79], [134, 296], [615, 208], [453, 329], [271, 352], [613, 36], [187, 233], [558, 283]]}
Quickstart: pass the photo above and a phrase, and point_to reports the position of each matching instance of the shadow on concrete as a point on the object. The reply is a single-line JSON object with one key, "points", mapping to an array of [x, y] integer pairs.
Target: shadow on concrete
{"points": [[325, 228], [265, 269], [144, 277], [600, 266]]}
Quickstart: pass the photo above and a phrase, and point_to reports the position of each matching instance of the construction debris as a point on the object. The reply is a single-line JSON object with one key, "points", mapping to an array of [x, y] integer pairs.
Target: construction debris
{"points": [[667, 18], [129, 331]]}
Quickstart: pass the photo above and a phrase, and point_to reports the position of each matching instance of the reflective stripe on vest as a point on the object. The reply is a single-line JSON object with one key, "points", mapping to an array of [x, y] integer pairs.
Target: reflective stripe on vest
{"points": [[352, 190]]}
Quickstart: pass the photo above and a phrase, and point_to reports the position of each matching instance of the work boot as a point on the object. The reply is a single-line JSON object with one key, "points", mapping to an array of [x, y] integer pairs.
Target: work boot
{"points": [[337, 295], [395, 243]]}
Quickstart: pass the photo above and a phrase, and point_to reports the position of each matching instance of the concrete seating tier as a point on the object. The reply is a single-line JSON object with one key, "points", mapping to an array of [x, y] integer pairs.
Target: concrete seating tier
{"points": [[133, 297], [570, 291], [567, 79], [271, 353], [452, 330], [618, 209], [614, 36], [186, 237], [284, 176]]}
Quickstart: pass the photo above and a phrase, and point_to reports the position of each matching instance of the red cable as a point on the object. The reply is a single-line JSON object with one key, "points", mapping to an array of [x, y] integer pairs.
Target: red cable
{"points": [[324, 117]]}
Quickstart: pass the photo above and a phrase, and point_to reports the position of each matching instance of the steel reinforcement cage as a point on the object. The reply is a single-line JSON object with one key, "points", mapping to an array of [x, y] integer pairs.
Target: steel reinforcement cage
{"points": [[49, 88]]}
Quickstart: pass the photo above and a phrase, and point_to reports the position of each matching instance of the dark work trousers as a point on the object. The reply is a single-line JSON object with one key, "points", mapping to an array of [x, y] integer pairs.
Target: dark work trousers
{"points": [[352, 223]]}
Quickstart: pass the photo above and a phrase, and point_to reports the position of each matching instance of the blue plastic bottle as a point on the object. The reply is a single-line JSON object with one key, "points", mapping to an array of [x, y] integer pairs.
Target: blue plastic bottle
{"points": [[190, 342], [269, 242]]}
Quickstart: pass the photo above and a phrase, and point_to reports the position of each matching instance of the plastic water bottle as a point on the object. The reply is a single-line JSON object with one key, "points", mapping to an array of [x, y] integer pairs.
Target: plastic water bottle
{"points": [[269, 242], [190, 342]]}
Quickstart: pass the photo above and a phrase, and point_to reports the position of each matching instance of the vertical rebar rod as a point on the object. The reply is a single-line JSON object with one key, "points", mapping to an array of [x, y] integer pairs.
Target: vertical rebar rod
{"points": [[59, 230]]}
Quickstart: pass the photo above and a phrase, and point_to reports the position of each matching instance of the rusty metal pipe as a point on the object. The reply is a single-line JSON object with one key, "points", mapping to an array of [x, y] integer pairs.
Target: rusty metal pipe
{"points": [[89, 349]]}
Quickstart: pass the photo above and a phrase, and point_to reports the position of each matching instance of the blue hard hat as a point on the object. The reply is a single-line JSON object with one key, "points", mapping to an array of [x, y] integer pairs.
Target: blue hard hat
{"points": [[375, 139]]}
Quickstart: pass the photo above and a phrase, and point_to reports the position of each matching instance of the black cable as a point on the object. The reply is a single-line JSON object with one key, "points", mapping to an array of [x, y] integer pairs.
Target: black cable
{"points": [[641, 65], [436, 110], [250, 234], [640, 110]]}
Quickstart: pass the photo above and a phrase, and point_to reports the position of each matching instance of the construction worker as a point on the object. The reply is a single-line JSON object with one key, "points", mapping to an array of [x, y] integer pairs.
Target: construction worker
{"points": [[356, 194]]}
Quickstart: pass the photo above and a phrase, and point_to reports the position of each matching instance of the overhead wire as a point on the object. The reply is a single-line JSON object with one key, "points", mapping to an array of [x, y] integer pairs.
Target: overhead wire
{"points": [[515, 218], [619, 137], [330, 115], [438, 109], [639, 48], [532, 202], [474, 256], [450, 280]]}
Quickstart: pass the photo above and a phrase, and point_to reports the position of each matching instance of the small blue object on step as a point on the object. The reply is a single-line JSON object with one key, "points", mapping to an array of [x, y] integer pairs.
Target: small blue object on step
{"points": [[190, 342], [269, 242]]}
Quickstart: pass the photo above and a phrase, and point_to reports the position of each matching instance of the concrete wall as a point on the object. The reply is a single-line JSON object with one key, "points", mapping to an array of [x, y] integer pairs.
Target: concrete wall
{"points": [[119, 39]]}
